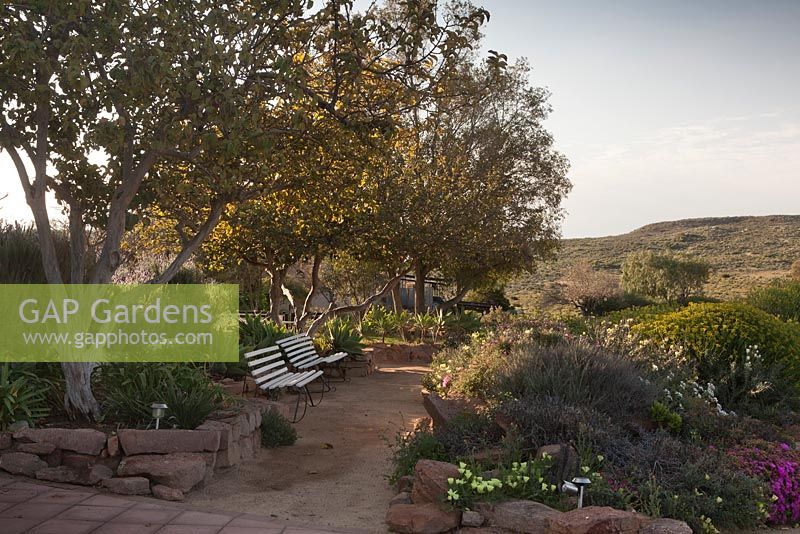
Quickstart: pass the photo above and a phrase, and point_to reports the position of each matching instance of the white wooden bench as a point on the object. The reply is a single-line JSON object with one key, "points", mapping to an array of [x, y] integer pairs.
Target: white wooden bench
{"points": [[302, 354], [270, 372]]}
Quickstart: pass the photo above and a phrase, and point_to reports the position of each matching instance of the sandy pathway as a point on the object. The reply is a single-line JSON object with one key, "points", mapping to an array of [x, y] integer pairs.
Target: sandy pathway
{"points": [[340, 487]]}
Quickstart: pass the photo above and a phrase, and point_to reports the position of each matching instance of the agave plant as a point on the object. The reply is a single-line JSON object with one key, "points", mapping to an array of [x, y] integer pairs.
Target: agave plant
{"points": [[341, 336], [22, 397], [425, 323], [257, 332]]}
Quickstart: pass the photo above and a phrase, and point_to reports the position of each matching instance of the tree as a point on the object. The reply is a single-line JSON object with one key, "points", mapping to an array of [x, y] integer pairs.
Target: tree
{"points": [[587, 289], [664, 276], [187, 104]]}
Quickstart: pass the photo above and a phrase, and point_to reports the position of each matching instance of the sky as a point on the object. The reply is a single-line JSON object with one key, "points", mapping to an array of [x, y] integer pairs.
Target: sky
{"points": [[666, 109]]}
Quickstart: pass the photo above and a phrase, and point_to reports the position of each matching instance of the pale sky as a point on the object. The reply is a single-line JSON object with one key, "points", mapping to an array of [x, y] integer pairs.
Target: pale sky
{"points": [[666, 109]]}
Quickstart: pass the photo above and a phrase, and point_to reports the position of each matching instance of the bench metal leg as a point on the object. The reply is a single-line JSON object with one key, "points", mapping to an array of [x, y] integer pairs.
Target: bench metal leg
{"points": [[305, 396], [310, 398]]}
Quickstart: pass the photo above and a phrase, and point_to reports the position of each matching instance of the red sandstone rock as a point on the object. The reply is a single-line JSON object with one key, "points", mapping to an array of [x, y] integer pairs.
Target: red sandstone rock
{"points": [[21, 463], [41, 448], [181, 470], [596, 520], [430, 481], [166, 441], [518, 516], [666, 526], [128, 485], [425, 518], [62, 473], [5, 440], [168, 494], [81, 440], [113, 446]]}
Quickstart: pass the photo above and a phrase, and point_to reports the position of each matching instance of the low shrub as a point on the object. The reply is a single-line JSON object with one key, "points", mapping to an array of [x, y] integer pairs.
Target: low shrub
{"points": [[23, 396], [468, 433], [276, 430], [779, 466], [780, 298], [340, 335], [711, 332], [256, 332], [410, 447]]}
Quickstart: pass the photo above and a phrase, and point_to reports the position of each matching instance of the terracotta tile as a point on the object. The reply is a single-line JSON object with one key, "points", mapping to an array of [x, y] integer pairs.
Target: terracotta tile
{"points": [[157, 505], [17, 525], [5, 505], [108, 500], [62, 497], [4, 481], [65, 526], [187, 529], [251, 530], [30, 510], [146, 516], [202, 518], [125, 528], [303, 530], [91, 513], [16, 495]]}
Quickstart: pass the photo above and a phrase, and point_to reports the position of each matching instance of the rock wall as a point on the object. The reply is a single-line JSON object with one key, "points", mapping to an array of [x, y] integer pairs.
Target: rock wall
{"points": [[167, 463]]}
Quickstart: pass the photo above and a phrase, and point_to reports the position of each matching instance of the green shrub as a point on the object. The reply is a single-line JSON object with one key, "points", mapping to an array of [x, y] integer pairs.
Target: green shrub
{"points": [[256, 332], [726, 330], [665, 417], [468, 433], [340, 335], [23, 396], [128, 390], [780, 298], [664, 276], [411, 447], [276, 430]]}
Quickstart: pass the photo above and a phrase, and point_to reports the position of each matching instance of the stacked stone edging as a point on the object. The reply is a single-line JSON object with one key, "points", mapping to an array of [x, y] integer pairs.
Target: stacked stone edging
{"points": [[165, 462]]}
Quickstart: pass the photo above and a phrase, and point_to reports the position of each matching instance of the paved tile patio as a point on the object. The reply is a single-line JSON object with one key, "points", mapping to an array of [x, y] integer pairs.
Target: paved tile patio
{"points": [[30, 507]]}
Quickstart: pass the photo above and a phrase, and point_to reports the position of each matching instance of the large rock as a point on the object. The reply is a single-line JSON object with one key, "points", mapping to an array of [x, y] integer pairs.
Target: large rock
{"points": [[518, 516], [62, 473], [181, 470], [5, 440], [128, 485], [596, 520], [229, 456], [443, 410], [21, 463], [426, 518], [471, 518], [430, 481], [405, 483], [224, 431], [167, 441], [42, 448], [565, 462], [113, 446], [666, 526], [81, 440]]}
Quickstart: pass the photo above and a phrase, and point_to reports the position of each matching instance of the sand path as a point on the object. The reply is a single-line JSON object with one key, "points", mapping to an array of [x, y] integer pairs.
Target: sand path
{"points": [[340, 487]]}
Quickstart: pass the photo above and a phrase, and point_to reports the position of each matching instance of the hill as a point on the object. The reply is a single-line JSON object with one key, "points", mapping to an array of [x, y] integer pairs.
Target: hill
{"points": [[743, 252]]}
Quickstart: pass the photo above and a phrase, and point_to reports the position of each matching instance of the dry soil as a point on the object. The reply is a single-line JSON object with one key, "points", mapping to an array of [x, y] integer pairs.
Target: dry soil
{"points": [[335, 475]]}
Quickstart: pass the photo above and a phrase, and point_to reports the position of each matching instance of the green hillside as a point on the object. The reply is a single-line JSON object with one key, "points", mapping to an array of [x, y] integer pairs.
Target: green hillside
{"points": [[743, 251]]}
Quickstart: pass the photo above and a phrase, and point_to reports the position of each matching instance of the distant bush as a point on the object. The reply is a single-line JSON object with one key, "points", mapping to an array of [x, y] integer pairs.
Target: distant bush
{"points": [[276, 430], [780, 298], [590, 291], [665, 276], [709, 332]]}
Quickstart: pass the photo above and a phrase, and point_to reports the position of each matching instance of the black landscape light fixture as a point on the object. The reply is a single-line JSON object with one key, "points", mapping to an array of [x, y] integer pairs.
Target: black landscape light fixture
{"points": [[158, 411], [576, 487]]}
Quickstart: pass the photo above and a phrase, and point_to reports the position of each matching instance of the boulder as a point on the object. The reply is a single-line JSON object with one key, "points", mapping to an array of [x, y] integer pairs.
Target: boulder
{"points": [[401, 498], [86, 461], [236, 427], [21, 463], [426, 518], [81, 440], [128, 485], [5, 440], [596, 520], [168, 494], [246, 447], [54, 458], [471, 518], [230, 456], [181, 470], [18, 425], [98, 473], [405, 483], [666, 526], [62, 473], [443, 410], [517, 516], [42, 448], [565, 462], [166, 441], [430, 481]]}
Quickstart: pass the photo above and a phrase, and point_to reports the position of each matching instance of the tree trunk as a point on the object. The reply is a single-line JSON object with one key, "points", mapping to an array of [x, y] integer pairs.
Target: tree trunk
{"points": [[419, 288], [78, 397], [276, 277], [448, 305], [397, 299]]}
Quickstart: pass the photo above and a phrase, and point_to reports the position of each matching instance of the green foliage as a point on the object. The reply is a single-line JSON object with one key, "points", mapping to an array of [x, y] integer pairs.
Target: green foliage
{"points": [[665, 417], [256, 332], [780, 298], [23, 396], [340, 335], [276, 430], [410, 447], [665, 276], [709, 332], [431, 324], [492, 292], [128, 390], [378, 320]]}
